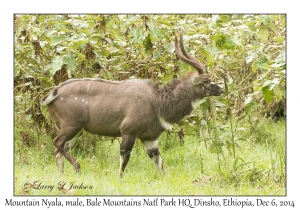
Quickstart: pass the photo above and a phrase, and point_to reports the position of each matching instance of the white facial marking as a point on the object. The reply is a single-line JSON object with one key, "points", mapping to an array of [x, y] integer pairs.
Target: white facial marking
{"points": [[202, 88], [165, 124], [82, 100], [212, 83], [75, 98], [61, 98], [86, 102]]}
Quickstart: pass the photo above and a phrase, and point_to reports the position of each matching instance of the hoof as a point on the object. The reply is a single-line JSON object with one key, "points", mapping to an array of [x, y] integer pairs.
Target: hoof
{"points": [[77, 167]]}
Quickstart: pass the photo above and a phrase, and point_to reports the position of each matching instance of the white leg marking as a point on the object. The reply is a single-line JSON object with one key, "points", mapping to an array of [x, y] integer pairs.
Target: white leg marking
{"points": [[60, 162], [60, 158], [75, 98], [157, 160], [72, 142], [82, 100], [120, 170], [150, 144], [61, 98]]}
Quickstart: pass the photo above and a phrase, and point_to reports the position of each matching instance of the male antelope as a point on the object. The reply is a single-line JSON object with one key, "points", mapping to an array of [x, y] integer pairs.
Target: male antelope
{"points": [[130, 109]]}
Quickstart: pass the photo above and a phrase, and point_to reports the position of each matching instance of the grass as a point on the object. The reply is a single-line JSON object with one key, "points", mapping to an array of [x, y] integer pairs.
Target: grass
{"points": [[258, 167]]}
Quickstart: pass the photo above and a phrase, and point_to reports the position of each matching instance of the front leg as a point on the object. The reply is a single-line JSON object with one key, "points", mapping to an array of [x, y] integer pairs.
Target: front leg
{"points": [[154, 154], [125, 150]]}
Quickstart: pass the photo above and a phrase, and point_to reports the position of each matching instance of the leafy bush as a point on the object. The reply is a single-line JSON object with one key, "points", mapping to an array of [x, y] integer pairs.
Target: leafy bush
{"points": [[244, 53]]}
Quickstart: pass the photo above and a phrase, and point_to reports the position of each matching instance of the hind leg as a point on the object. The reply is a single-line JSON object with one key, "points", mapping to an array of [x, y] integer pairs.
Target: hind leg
{"points": [[154, 154], [60, 158], [60, 141]]}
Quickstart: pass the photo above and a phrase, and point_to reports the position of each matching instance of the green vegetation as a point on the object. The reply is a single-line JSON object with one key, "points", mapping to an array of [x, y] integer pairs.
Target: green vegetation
{"points": [[190, 169], [231, 145]]}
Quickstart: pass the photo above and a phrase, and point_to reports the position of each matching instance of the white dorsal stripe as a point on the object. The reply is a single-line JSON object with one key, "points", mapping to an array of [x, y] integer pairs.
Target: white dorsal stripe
{"points": [[165, 124]]}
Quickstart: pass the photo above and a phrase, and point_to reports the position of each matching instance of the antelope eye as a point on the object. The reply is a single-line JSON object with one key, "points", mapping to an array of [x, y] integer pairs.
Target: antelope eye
{"points": [[206, 81]]}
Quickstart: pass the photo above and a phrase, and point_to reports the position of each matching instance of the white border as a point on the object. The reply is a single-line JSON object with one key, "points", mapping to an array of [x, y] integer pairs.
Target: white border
{"points": [[8, 8]]}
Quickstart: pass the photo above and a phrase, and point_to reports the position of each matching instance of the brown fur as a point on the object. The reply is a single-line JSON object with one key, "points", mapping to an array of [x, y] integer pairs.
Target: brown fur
{"points": [[131, 109]]}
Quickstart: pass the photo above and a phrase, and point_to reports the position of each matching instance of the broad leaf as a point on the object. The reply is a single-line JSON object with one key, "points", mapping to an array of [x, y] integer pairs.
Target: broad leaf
{"points": [[278, 39], [57, 40], [70, 61], [80, 55], [268, 94], [263, 34], [56, 64], [248, 99]]}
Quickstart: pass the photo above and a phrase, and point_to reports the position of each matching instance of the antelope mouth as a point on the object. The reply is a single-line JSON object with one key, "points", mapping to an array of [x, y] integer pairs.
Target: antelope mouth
{"points": [[220, 92]]}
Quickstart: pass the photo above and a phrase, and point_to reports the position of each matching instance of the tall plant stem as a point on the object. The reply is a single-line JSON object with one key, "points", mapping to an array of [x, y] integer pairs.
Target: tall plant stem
{"points": [[230, 116]]}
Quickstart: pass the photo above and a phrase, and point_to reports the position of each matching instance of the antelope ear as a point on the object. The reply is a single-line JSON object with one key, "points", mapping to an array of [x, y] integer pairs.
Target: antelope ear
{"points": [[198, 80]]}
